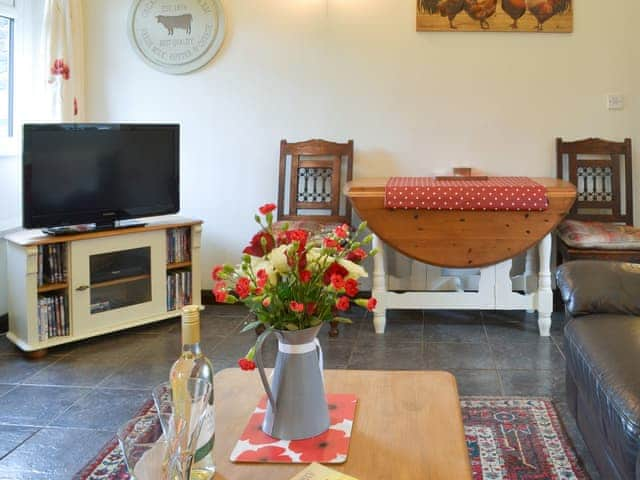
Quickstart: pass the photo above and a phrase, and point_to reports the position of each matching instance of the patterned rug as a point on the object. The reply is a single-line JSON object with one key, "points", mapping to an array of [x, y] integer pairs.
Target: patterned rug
{"points": [[509, 438]]}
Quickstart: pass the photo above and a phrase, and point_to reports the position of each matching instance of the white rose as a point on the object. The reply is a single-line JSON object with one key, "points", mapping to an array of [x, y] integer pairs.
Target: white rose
{"points": [[355, 270], [278, 259]]}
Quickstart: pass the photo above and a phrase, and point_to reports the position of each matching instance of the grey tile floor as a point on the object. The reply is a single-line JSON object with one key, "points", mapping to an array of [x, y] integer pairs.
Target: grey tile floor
{"points": [[56, 412]]}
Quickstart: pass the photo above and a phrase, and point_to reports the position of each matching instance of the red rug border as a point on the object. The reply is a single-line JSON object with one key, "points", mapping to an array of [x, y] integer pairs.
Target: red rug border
{"points": [[553, 415]]}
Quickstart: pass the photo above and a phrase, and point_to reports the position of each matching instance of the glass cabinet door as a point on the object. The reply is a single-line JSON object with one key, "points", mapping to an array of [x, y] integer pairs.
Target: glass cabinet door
{"points": [[117, 278]]}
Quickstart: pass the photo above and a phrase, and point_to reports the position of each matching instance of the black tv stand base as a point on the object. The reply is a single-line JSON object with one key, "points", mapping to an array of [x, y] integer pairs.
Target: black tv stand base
{"points": [[92, 227]]}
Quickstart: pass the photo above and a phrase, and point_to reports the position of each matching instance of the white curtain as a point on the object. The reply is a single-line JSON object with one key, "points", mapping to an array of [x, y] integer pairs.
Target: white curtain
{"points": [[63, 51]]}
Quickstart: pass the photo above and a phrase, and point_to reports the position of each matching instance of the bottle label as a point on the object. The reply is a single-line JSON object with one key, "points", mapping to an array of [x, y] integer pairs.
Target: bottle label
{"points": [[207, 435]]}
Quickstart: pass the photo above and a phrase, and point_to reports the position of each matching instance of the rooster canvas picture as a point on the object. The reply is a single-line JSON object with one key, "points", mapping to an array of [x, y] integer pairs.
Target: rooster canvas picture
{"points": [[552, 16]]}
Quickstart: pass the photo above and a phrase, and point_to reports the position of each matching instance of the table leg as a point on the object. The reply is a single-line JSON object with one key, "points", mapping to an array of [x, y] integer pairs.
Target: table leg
{"points": [[529, 272], [379, 288], [545, 294]]}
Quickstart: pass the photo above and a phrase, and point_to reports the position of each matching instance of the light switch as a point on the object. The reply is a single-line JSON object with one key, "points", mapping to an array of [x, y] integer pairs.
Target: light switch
{"points": [[615, 101]]}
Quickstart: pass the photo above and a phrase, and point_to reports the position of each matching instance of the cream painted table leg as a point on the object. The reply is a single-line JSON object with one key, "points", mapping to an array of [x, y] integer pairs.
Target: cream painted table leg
{"points": [[545, 294], [379, 288], [530, 273]]}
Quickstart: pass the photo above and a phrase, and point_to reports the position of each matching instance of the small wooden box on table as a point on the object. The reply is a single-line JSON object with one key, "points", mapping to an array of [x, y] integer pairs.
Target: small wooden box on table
{"points": [[464, 239], [67, 288], [408, 426]]}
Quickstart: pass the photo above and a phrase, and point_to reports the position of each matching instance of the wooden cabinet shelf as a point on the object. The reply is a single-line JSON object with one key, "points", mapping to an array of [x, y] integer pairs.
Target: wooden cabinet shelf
{"points": [[108, 304], [120, 281], [175, 266], [52, 287]]}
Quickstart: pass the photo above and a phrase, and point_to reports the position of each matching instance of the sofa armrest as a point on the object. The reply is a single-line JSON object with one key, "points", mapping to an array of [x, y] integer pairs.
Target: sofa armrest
{"points": [[590, 286]]}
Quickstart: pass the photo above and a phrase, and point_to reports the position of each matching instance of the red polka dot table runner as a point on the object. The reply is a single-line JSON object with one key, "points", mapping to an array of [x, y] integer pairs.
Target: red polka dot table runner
{"points": [[332, 446], [494, 194]]}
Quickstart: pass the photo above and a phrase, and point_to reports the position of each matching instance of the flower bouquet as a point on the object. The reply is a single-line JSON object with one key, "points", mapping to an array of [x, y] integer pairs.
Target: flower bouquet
{"points": [[292, 280]]}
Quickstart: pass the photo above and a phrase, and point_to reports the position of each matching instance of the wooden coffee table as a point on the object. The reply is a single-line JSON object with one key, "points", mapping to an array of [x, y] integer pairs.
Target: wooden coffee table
{"points": [[408, 426]]}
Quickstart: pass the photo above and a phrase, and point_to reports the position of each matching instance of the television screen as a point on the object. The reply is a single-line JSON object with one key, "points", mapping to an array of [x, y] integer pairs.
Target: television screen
{"points": [[98, 173]]}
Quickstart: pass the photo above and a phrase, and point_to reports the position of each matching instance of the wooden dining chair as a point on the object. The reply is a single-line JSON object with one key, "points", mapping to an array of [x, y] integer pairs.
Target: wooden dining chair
{"points": [[311, 177], [600, 224]]}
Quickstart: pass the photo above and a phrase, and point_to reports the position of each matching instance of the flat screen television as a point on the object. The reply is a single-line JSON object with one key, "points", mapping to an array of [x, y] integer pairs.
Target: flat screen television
{"points": [[77, 174]]}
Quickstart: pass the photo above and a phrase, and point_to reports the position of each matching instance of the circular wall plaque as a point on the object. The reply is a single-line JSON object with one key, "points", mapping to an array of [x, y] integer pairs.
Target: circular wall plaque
{"points": [[176, 36]]}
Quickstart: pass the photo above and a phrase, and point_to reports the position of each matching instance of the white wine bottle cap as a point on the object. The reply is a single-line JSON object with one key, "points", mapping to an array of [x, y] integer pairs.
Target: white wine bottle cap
{"points": [[190, 324], [191, 314]]}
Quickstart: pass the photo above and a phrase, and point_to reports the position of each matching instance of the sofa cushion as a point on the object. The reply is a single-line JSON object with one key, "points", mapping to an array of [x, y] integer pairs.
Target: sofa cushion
{"points": [[603, 355], [600, 236], [591, 286]]}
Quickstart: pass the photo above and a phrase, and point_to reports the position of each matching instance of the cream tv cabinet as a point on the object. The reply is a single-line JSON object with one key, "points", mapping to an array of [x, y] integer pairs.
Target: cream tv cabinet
{"points": [[67, 288]]}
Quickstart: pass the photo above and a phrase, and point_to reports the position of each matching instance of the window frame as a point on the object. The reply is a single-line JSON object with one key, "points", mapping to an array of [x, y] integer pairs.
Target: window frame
{"points": [[13, 9]]}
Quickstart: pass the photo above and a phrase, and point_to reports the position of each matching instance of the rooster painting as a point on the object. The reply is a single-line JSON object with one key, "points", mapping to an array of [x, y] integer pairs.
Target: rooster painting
{"points": [[494, 15], [543, 10], [428, 6], [515, 9], [481, 10], [451, 8]]}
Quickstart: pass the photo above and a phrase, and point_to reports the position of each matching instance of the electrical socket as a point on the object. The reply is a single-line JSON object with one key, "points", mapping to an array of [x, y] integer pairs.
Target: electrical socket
{"points": [[615, 101]]}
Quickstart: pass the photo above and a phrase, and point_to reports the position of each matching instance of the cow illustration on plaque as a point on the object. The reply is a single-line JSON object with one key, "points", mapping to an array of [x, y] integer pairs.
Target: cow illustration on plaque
{"points": [[176, 36]]}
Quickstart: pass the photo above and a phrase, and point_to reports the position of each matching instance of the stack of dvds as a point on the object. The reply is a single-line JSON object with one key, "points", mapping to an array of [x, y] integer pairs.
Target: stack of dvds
{"points": [[53, 320], [178, 249], [178, 290], [52, 264]]}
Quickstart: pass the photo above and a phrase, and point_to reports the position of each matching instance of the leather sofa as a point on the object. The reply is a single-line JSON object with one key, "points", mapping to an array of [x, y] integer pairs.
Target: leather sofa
{"points": [[602, 350]]}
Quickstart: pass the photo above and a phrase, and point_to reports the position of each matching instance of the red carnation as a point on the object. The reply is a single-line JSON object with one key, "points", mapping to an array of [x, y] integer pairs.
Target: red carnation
{"points": [[351, 287], [343, 303], [243, 287], [296, 307], [371, 304], [341, 232], [357, 255], [305, 276], [337, 281], [220, 295], [246, 364], [255, 249], [290, 236], [216, 272], [330, 243], [267, 208], [311, 308], [262, 277], [334, 269]]}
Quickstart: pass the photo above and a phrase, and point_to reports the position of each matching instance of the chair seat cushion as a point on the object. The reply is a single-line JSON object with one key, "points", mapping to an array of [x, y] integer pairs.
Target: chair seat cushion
{"points": [[600, 236], [315, 228]]}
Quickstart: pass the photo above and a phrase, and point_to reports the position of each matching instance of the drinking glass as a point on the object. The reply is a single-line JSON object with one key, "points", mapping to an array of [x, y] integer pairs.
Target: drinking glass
{"points": [[182, 434], [144, 447]]}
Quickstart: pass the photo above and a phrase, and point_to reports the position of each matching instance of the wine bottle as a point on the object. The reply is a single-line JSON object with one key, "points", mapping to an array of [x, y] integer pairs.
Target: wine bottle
{"points": [[194, 364]]}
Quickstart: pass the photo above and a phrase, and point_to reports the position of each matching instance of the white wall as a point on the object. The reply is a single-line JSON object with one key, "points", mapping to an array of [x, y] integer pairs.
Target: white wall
{"points": [[415, 103]]}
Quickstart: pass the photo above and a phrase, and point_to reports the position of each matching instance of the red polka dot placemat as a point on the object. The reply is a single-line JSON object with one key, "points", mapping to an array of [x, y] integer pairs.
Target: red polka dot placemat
{"points": [[493, 194], [330, 447]]}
